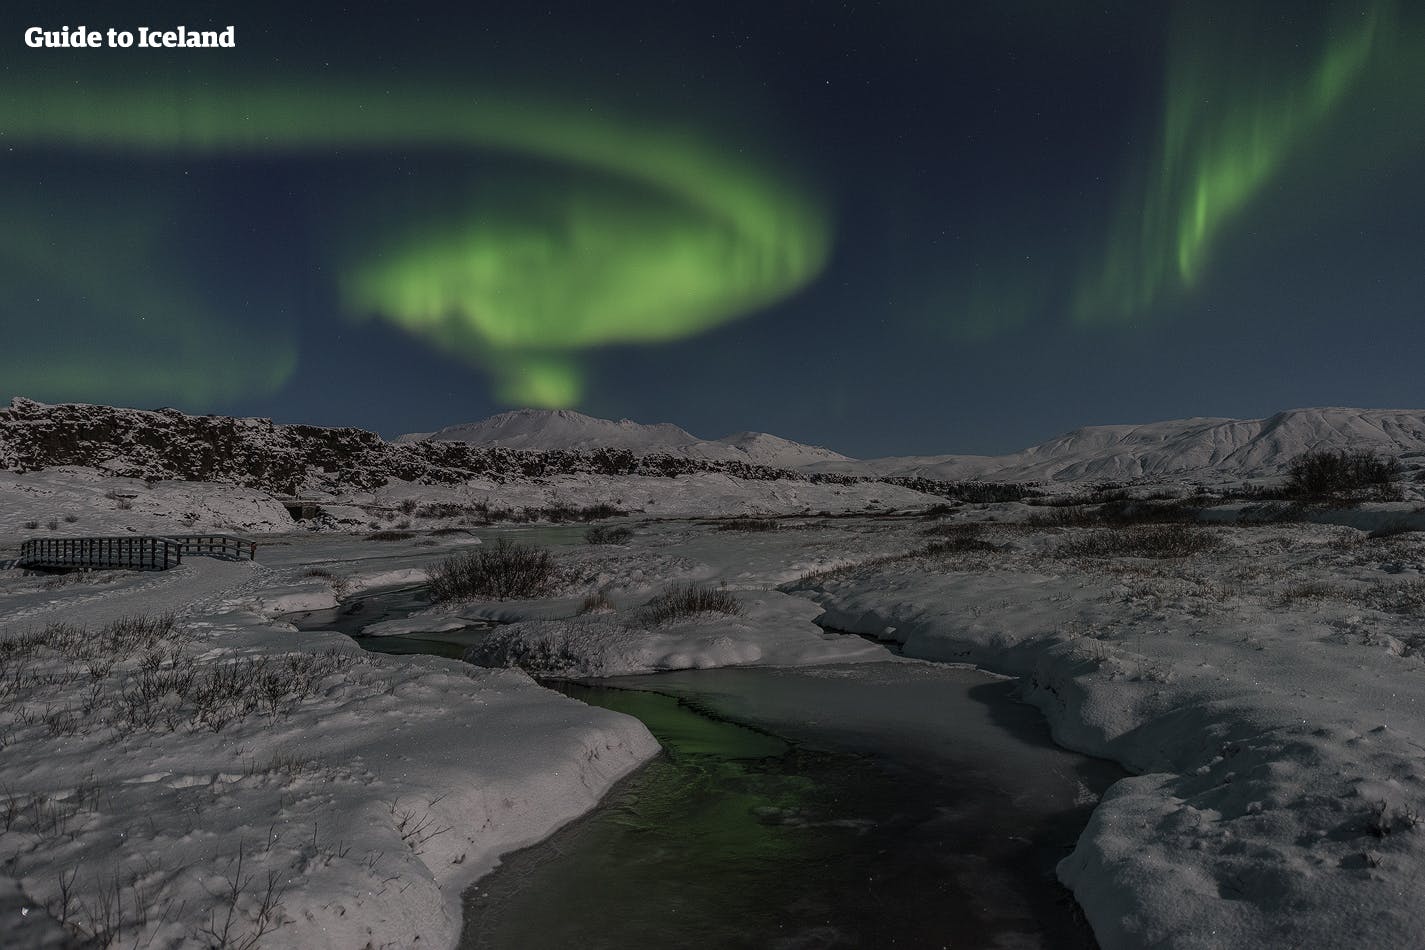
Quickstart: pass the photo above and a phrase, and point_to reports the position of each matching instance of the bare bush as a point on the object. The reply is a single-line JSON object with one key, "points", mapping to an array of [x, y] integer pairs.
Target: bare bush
{"points": [[963, 538], [500, 571], [416, 826], [603, 534], [597, 512], [1118, 513], [447, 532], [985, 493], [139, 676], [1318, 474], [686, 600], [248, 908], [748, 524]]}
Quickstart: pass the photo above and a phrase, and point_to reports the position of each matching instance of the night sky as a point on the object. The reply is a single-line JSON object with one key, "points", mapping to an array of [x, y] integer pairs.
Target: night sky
{"points": [[888, 228]]}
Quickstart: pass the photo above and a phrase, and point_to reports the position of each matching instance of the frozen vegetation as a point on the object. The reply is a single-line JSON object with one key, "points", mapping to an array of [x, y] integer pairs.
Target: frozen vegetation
{"points": [[179, 766]]}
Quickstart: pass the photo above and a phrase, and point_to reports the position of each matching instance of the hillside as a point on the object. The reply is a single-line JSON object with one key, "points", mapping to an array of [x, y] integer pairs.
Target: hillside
{"points": [[292, 459], [1199, 448]]}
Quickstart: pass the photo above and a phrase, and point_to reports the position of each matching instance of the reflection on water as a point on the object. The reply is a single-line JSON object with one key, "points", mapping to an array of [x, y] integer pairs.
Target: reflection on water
{"points": [[738, 838]]}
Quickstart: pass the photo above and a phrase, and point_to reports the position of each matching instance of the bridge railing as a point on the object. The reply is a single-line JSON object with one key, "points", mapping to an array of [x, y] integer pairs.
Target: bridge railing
{"points": [[135, 552], [225, 546]]}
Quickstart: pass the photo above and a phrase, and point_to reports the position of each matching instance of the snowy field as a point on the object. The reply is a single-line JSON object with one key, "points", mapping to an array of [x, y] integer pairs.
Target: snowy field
{"points": [[229, 782], [1262, 681]]}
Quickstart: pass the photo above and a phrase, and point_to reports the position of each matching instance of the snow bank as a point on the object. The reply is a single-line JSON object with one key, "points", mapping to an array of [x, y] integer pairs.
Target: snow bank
{"points": [[773, 629], [1270, 692]]}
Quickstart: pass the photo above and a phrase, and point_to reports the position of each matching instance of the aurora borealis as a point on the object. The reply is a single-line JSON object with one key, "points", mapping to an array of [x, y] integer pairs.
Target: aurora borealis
{"points": [[886, 229], [1230, 124], [681, 240]]}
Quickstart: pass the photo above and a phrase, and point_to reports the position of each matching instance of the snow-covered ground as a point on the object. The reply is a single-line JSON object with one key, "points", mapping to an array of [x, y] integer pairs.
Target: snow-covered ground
{"points": [[1264, 684], [87, 502], [317, 796], [74, 501]]}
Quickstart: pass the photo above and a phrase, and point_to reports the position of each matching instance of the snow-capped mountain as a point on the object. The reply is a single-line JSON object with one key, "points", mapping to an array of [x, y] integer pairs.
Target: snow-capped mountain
{"points": [[564, 429], [570, 431], [1178, 448]]}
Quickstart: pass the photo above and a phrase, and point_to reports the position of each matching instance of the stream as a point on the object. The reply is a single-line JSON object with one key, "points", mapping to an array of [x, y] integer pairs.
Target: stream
{"points": [[889, 804]]}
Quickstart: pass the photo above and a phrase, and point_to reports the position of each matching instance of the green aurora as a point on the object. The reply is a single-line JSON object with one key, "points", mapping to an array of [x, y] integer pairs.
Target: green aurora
{"points": [[154, 338], [1234, 118], [662, 234]]}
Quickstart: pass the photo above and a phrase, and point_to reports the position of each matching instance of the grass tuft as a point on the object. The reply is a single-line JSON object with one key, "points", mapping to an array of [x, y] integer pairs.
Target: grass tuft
{"points": [[686, 600]]}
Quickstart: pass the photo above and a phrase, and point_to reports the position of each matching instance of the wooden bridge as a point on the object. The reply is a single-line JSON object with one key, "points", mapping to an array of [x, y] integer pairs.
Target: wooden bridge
{"points": [[134, 552]]}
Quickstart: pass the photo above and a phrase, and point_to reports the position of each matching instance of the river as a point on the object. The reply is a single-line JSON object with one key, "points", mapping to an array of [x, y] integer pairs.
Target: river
{"points": [[891, 804]]}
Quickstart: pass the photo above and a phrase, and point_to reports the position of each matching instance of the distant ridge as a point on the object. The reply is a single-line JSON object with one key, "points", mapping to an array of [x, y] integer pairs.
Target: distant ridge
{"points": [[570, 431], [166, 443], [1201, 448]]}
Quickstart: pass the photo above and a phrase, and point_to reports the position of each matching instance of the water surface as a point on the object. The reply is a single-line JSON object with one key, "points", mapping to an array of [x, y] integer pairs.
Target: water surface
{"points": [[876, 805]]}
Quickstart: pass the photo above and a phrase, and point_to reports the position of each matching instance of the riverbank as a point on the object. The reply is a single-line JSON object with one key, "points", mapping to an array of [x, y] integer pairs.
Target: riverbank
{"points": [[221, 777], [1267, 688]]}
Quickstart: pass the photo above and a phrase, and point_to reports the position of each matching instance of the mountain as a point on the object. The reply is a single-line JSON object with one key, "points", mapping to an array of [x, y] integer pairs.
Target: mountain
{"points": [[1201, 448], [570, 431], [563, 429]]}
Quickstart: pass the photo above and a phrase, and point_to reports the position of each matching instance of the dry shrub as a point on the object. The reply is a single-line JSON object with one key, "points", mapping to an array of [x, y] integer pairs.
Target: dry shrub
{"points": [[1154, 541], [501, 571], [748, 524], [685, 600], [602, 534]]}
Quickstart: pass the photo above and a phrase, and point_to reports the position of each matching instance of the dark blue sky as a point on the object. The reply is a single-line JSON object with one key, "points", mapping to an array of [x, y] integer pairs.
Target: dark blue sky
{"points": [[888, 228]]}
